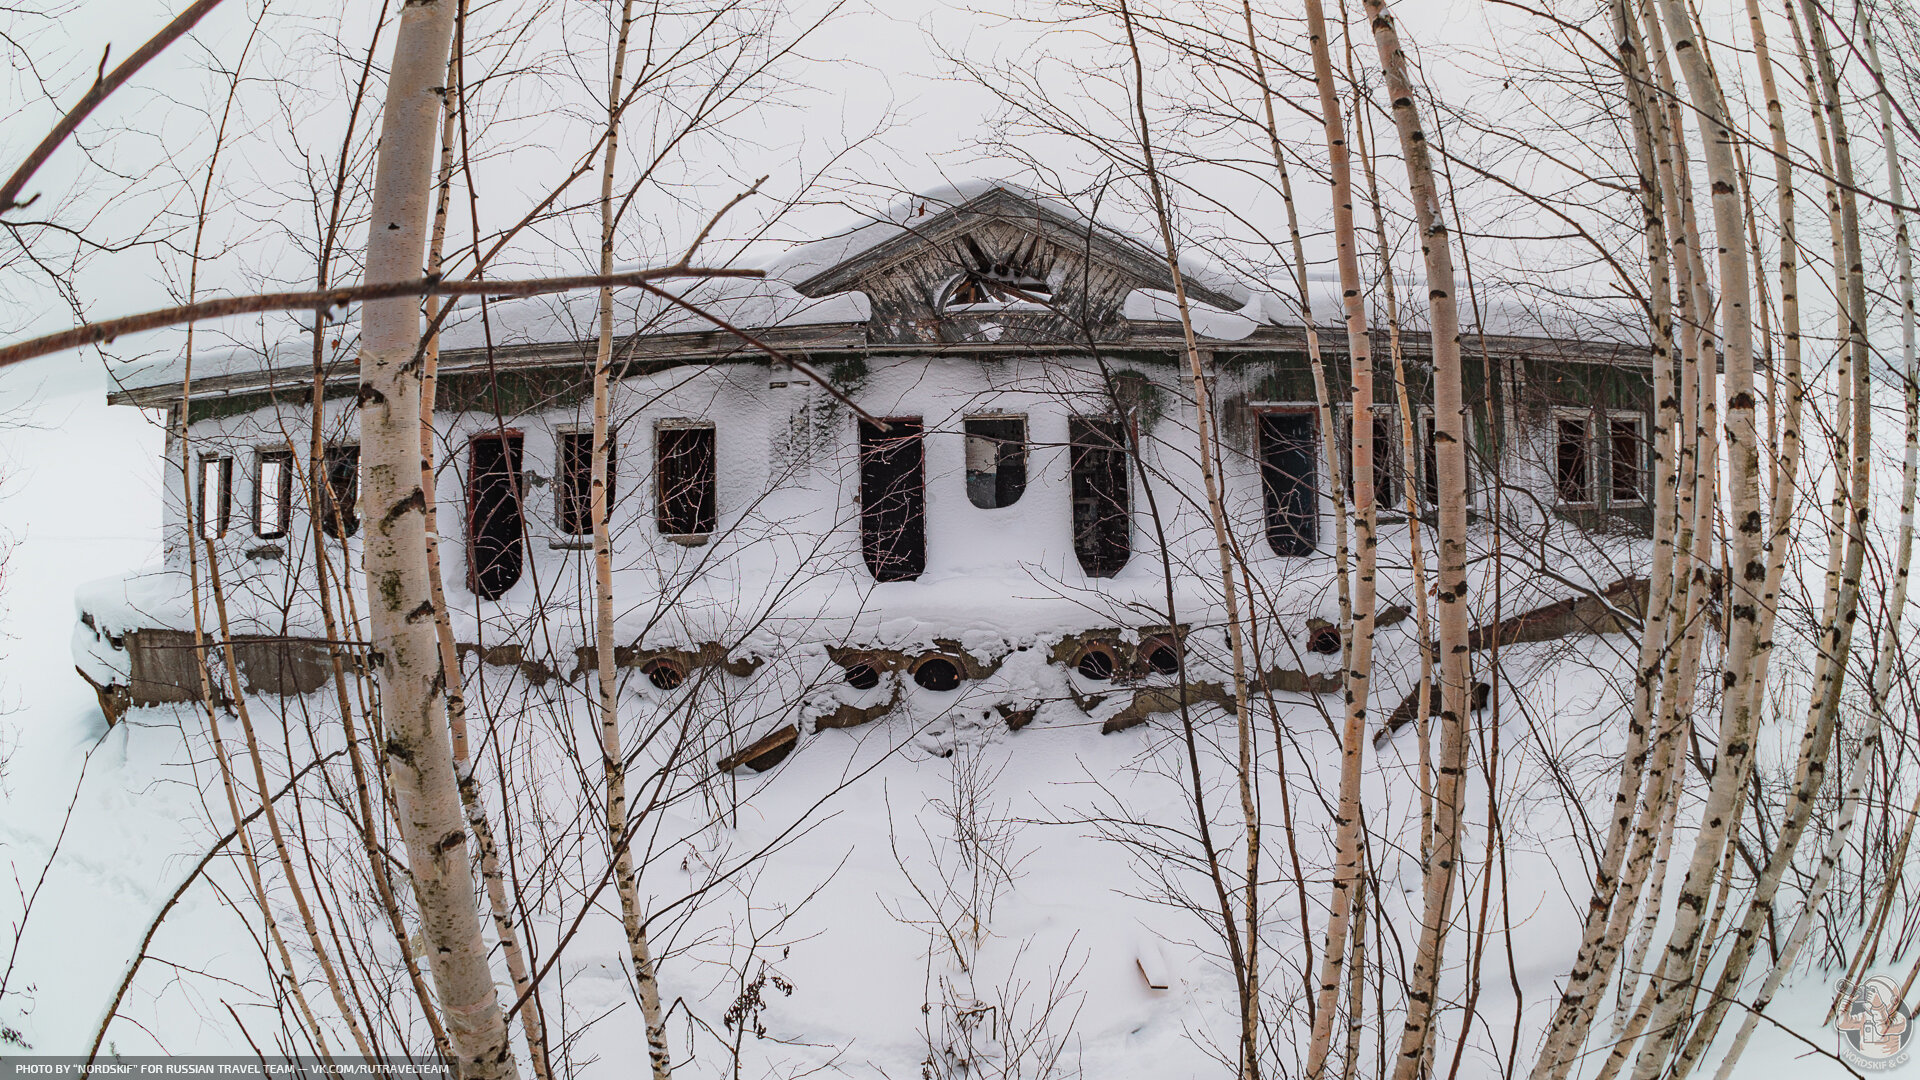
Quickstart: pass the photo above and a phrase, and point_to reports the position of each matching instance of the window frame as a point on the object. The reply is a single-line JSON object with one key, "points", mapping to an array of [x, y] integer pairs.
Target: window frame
{"points": [[349, 519], [884, 558], [661, 487], [1590, 448], [562, 436], [1641, 464], [510, 441], [1258, 411], [283, 496], [215, 528], [1026, 462]]}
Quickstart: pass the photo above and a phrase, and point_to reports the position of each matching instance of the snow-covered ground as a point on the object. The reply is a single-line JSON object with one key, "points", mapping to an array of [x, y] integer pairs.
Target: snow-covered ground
{"points": [[850, 916]]}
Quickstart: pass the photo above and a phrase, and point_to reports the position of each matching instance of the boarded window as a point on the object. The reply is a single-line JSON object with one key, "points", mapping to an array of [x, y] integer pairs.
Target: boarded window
{"points": [[272, 493], [1289, 472], [684, 479], [1102, 495], [996, 460], [214, 503], [496, 546], [893, 499], [1624, 450], [340, 491], [575, 489], [1572, 460]]}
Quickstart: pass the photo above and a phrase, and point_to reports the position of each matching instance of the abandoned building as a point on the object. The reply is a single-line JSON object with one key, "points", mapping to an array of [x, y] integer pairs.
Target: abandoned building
{"points": [[1014, 517]]}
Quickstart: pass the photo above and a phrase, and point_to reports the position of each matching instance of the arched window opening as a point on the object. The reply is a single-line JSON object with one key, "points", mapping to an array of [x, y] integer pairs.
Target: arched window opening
{"points": [[1102, 495], [496, 543], [1289, 471], [893, 499], [996, 460]]}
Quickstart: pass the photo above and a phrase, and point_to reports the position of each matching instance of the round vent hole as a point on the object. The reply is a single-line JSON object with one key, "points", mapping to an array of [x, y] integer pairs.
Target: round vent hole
{"points": [[664, 673], [937, 673], [862, 675]]}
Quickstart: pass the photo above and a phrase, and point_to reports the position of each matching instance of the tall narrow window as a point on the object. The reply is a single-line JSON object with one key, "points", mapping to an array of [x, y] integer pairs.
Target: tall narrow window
{"points": [[684, 479], [496, 545], [215, 501], [893, 499], [1289, 471], [1624, 450], [340, 491], [1572, 459], [272, 493], [1102, 495], [996, 460], [1429, 463], [575, 489], [1386, 459]]}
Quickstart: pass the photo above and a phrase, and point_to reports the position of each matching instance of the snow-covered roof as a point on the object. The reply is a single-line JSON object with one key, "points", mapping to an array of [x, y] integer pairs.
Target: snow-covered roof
{"points": [[776, 302]]}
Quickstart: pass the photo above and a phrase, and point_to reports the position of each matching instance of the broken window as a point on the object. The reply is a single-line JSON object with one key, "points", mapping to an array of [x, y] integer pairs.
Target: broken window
{"points": [[496, 548], [272, 493], [1624, 450], [999, 279], [215, 501], [1289, 472], [340, 491], [1102, 495], [575, 489], [1572, 459], [996, 460], [684, 478], [1429, 463], [893, 499]]}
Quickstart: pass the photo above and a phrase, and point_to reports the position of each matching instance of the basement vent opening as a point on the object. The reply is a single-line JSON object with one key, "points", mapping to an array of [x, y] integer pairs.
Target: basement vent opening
{"points": [[575, 490], [1096, 663], [1289, 478], [663, 673], [937, 673], [996, 460], [1102, 491], [862, 675], [496, 546], [1160, 656], [1324, 640], [340, 491], [893, 499]]}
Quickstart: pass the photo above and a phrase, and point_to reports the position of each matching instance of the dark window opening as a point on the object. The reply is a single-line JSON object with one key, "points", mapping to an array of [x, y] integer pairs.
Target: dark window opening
{"points": [[1102, 495], [1623, 465], [1572, 460], [937, 673], [1289, 476], [575, 490], [215, 502], [1000, 278], [1386, 459], [996, 460], [496, 546], [1430, 466], [272, 494], [340, 491], [893, 499], [686, 502]]}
